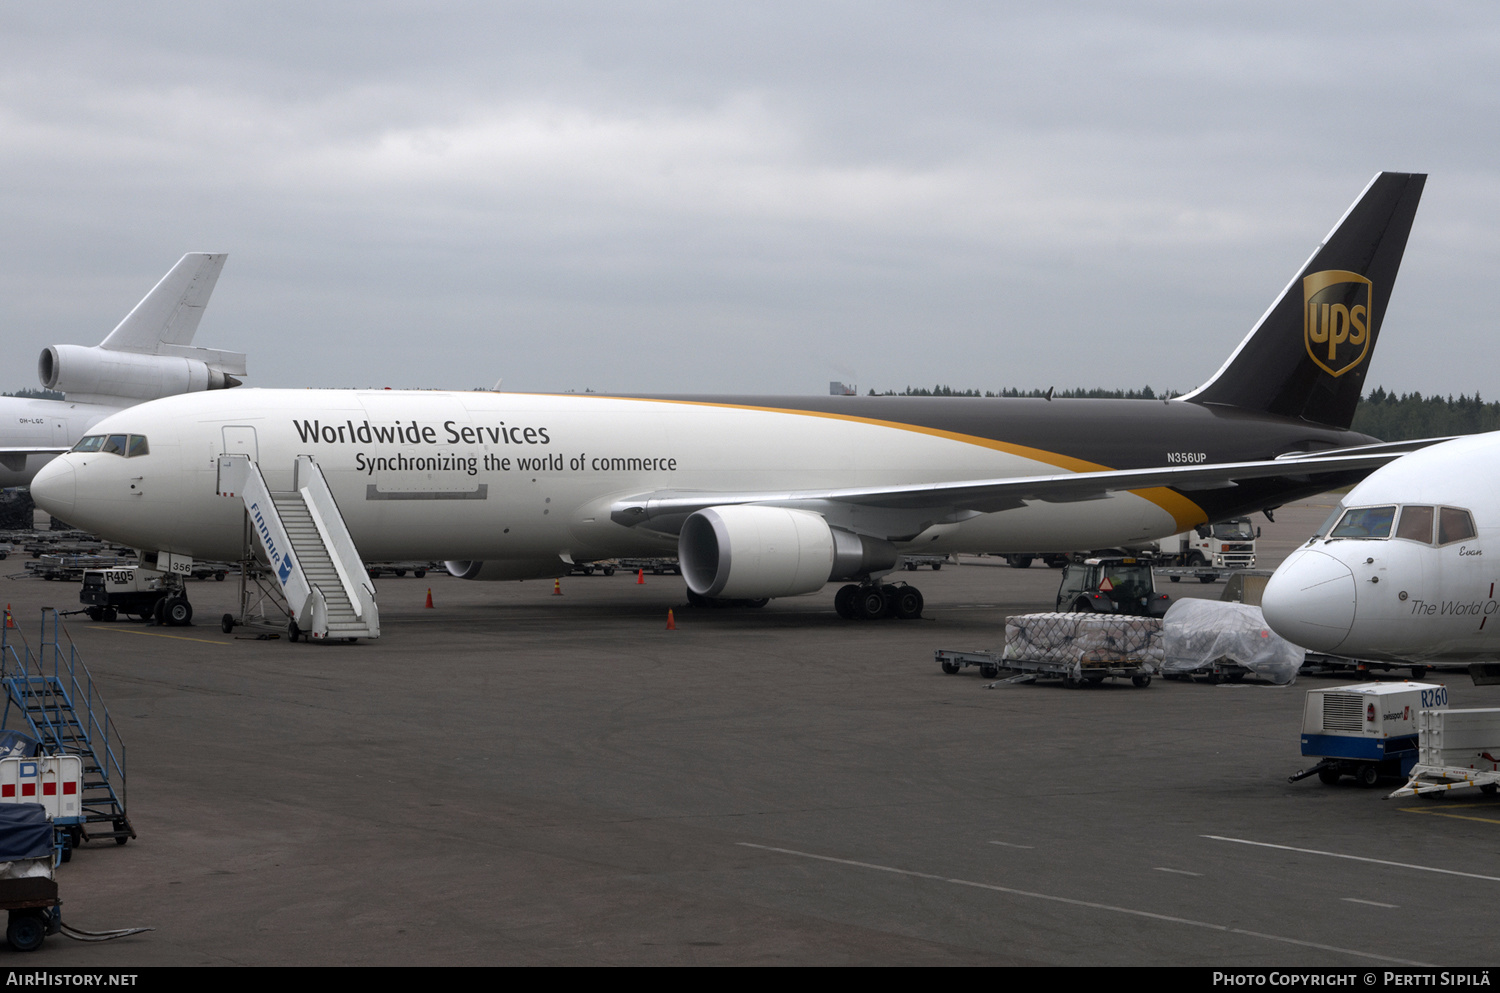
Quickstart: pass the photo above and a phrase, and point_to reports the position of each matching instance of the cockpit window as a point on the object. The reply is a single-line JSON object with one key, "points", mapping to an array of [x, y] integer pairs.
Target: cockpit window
{"points": [[1416, 524], [1454, 525], [126, 445], [1365, 522], [1327, 525]]}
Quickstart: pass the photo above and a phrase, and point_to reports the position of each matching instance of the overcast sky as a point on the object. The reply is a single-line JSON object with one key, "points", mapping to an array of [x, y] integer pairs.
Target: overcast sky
{"points": [[691, 197]]}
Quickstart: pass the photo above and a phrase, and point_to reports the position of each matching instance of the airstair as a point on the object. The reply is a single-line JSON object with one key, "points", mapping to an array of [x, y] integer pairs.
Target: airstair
{"points": [[308, 548], [55, 693]]}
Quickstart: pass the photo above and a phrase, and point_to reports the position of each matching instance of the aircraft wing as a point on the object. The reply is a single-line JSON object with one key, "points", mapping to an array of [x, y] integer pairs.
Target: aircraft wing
{"points": [[13, 457], [910, 508]]}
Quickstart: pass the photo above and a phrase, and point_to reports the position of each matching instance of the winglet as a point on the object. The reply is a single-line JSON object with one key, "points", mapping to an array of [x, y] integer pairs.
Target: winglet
{"points": [[169, 314]]}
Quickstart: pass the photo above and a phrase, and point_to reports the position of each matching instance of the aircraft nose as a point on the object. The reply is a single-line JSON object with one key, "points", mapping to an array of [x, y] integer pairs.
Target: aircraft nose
{"points": [[54, 488], [1309, 601]]}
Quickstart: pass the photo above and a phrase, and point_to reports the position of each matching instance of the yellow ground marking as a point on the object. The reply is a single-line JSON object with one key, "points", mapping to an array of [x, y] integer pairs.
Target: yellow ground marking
{"points": [[154, 634], [1457, 817]]}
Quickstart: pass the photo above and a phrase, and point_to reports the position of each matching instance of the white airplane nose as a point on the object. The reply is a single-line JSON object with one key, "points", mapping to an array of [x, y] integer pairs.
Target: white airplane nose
{"points": [[54, 488], [1309, 601]]}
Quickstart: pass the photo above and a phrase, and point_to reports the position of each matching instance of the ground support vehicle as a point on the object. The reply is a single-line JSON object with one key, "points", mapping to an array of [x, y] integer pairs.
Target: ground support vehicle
{"points": [[1456, 749], [72, 568], [912, 563], [1113, 584], [655, 566], [145, 593], [990, 665], [1223, 548], [606, 566], [1367, 731], [398, 569], [1023, 560]]}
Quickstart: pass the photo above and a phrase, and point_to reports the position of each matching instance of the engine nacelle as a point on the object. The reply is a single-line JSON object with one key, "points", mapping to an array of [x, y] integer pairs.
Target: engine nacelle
{"points": [[83, 372], [493, 572], [752, 552]]}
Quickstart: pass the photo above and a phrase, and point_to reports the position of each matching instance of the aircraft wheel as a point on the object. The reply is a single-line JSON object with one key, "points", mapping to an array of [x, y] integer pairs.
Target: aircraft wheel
{"points": [[908, 603], [1328, 776], [178, 611], [951, 668], [846, 601], [871, 602], [1367, 775], [226, 623]]}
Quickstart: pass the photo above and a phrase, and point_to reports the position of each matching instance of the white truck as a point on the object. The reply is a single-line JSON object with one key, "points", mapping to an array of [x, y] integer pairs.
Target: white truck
{"points": [[1226, 546]]}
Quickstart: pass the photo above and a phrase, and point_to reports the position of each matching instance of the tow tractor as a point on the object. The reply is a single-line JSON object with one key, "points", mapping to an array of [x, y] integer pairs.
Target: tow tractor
{"points": [[1111, 584], [145, 593]]}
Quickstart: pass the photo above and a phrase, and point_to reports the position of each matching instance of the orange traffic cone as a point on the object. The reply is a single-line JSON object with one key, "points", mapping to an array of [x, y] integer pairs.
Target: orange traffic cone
{"points": [[640, 577], [10, 622], [671, 621], [557, 587], [429, 598]]}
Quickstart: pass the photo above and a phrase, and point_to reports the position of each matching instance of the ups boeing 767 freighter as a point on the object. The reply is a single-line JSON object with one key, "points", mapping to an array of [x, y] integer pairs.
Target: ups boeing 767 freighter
{"points": [[759, 497]]}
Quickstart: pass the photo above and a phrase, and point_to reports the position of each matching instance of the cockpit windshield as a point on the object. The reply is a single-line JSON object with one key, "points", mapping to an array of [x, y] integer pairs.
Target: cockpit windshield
{"points": [[1365, 522], [126, 445]]}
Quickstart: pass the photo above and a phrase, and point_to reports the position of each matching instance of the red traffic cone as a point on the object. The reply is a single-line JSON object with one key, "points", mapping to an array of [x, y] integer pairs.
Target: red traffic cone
{"points": [[671, 621], [429, 598], [557, 587], [10, 622], [640, 577]]}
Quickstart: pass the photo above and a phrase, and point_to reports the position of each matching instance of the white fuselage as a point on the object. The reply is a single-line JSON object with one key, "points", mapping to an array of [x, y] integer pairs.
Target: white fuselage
{"points": [[1397, 598], [530, 478], [36, 423]]}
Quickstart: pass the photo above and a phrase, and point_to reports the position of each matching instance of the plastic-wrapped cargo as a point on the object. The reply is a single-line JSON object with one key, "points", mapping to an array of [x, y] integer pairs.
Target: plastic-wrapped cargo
{"points": [[1084, 639], [1197, 633]]}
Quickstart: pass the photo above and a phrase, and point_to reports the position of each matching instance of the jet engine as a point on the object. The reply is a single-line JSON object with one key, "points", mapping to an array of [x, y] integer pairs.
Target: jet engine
{"points": [[82, 372], [753, 552]]}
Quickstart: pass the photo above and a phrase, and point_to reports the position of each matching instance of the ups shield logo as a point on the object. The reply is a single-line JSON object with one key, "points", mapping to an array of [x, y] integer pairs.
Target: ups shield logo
{"points": [[1336, 319]]}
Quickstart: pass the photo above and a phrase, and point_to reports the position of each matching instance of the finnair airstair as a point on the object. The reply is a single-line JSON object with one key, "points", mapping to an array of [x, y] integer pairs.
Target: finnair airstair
{"points": [[308, 548]]}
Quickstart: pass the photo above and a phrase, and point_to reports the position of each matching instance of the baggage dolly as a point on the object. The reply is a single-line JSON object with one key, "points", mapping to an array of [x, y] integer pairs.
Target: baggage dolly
{"points": [[1072, 674]]}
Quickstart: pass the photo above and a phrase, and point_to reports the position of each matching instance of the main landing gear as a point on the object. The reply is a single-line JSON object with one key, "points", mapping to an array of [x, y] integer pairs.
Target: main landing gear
{"points": [[867, 601]]}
